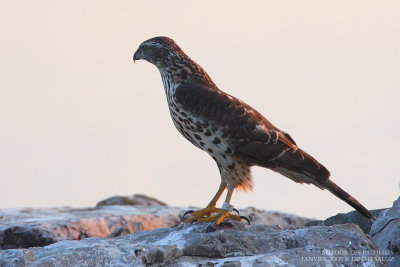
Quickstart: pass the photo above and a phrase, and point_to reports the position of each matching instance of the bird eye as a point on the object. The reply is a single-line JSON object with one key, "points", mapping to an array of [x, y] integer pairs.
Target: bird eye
{"points": [[144, 48]]}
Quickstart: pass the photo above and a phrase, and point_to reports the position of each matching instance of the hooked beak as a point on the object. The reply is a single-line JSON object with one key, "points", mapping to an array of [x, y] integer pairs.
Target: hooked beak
{"points": [[136, 56]]}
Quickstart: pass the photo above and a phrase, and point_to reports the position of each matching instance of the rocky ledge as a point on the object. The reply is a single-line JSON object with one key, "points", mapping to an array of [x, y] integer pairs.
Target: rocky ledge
{"points": [[233, 244], [116, 216], [142, 231]]}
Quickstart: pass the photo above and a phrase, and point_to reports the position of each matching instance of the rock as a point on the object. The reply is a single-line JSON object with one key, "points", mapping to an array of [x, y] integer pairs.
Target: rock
{"points": [[207, 245], [23, 228], [386, 232], [264, 217], [350, 217], [136, 199]]}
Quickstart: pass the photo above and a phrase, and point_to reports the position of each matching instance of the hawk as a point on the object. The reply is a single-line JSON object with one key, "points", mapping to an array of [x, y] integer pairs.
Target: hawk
{"points": [[233, 133]]}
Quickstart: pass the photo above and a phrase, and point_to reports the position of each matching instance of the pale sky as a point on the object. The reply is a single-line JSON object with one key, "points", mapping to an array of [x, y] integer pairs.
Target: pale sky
{"points": [[81, 122]]}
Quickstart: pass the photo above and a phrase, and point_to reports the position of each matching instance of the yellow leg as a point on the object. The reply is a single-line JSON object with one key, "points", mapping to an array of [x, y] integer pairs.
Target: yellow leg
{"points": [[220, 215], [207, 211], [221, 189]]}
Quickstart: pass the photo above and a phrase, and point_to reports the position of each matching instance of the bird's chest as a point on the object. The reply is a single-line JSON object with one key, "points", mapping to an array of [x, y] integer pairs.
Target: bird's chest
{"points": [[201, 133]]}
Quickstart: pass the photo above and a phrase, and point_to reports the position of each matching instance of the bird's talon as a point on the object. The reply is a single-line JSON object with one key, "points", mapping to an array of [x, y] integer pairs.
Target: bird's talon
{"points": [[235, 210], [186, 213], [245, 218]]}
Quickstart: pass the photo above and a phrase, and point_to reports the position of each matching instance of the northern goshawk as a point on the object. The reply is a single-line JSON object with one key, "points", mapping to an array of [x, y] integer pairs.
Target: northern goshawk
{"points": [[234, 134]]}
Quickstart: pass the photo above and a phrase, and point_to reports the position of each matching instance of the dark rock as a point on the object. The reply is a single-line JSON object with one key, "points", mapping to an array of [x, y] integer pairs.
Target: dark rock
{"points": [[350, 217], [20, 237]]}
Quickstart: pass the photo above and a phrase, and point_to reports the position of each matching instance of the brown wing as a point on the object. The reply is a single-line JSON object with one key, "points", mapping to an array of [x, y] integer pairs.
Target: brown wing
{"points": [[245, 128], [252, 137]]}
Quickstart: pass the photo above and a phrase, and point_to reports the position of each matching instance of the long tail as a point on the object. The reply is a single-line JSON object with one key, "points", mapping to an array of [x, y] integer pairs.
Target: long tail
{"points": [[343, 195], [303, 168]]}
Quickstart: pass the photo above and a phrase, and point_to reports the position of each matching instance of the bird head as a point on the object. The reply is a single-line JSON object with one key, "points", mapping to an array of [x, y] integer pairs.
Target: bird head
{"points": [[160, 51]]}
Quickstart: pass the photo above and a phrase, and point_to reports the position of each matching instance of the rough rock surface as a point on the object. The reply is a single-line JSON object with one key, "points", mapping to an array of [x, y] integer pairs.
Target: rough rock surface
{"points": [[203, 244], [350, 217], [23, 228], [385, 232]]}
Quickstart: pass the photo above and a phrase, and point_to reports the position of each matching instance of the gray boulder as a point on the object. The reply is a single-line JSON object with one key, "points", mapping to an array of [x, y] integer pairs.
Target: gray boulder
{"points": [[233, 244], [386, 232]]}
